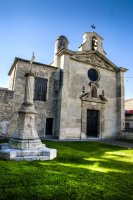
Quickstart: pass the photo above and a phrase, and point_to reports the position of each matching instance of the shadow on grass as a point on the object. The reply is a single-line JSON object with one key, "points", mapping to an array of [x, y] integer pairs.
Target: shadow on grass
{"points": [[82, 170]]}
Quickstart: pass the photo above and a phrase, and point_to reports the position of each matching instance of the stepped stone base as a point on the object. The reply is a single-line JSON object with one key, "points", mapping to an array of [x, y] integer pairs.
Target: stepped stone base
{"points": [[25, 143], [43, 153]]}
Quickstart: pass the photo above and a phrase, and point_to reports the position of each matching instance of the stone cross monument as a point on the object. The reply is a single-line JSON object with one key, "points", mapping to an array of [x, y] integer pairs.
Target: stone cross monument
{"points": [[25, 143]]}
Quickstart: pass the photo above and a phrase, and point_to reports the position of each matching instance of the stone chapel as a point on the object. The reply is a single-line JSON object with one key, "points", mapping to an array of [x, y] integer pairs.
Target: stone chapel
{"points": [[79, 95]]}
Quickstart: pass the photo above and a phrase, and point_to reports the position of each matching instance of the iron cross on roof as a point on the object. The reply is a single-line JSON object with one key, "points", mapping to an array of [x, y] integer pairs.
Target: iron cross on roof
{"points": [[31, 61], [33, 58]]}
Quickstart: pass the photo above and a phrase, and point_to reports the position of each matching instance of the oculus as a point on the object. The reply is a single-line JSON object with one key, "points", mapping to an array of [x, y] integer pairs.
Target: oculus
{"points": [[93, 74]]}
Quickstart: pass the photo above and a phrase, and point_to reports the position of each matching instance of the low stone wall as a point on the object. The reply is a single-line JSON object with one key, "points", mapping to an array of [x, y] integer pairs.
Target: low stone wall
{"points": [[6, 100], [126, 135]]}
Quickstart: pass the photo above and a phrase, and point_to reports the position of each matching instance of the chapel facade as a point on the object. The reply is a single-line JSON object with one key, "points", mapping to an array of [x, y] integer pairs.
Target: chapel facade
{"points": [[79, 95]]}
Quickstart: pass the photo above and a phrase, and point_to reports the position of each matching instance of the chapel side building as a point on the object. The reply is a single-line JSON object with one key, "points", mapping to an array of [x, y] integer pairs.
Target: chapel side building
{"points": [[129, 115], [80, 95]]}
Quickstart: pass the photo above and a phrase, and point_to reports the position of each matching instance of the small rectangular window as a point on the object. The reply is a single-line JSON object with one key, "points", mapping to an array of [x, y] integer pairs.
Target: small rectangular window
{"points": [[40, 89]]}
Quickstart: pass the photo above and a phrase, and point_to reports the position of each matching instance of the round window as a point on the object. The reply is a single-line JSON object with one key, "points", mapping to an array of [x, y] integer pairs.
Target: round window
{"points": [[93, 74]]}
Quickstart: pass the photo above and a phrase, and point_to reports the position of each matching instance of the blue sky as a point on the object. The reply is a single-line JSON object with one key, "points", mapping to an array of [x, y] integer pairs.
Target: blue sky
{"points": [[33, 25]]}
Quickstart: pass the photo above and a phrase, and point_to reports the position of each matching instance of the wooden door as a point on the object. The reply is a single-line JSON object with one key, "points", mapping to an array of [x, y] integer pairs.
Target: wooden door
{"points": [[92, 123]]}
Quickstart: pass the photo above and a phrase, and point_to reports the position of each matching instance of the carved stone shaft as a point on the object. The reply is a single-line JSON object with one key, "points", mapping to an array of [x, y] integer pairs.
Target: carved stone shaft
{"points": [[29, 89], [25, 136]]}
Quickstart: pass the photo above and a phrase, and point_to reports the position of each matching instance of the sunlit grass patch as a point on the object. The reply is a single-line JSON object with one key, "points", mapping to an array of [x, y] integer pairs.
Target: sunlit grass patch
{"points": [[121, 155], [82, 170]]}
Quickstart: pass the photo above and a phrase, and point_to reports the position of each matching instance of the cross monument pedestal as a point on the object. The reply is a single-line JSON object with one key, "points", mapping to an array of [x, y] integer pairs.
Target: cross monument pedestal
{"points": [[25, 143]]}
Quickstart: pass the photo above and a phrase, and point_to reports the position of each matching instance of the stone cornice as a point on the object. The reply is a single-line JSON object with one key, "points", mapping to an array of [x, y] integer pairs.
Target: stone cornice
{"points": [[27, 61], [122, 69], [91, 57], [66, 52]]}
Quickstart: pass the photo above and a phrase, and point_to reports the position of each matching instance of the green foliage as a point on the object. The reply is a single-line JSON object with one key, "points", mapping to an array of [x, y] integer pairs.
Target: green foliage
{"points": [[82, 171]]}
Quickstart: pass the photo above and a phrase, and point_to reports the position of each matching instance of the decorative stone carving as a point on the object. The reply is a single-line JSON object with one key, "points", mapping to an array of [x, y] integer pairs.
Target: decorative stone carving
{"points": [[87, 97], [94, 89], [92, 59], [94, 84], [94, 92]]}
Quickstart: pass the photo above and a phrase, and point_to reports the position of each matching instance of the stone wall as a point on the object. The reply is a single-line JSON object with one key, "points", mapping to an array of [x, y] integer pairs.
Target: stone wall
{"points": [[6, 101], [126, 135], [12, 78], [45, 109]]}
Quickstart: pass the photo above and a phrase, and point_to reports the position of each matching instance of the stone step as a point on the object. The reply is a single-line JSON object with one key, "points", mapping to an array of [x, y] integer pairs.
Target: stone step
{"points": [[8, 153], [30, 158], [32, 153]]}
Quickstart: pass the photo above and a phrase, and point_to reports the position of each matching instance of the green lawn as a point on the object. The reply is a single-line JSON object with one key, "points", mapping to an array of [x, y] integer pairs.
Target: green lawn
{"points": [[82, 170]]}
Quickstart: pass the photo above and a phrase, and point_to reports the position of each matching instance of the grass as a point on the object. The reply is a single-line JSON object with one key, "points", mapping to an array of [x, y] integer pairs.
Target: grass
{"points": [[82, 170]]}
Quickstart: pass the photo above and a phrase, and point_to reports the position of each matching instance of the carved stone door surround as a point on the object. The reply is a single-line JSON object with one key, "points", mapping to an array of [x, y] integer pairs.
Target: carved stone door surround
{"points": [[89, 103]]}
